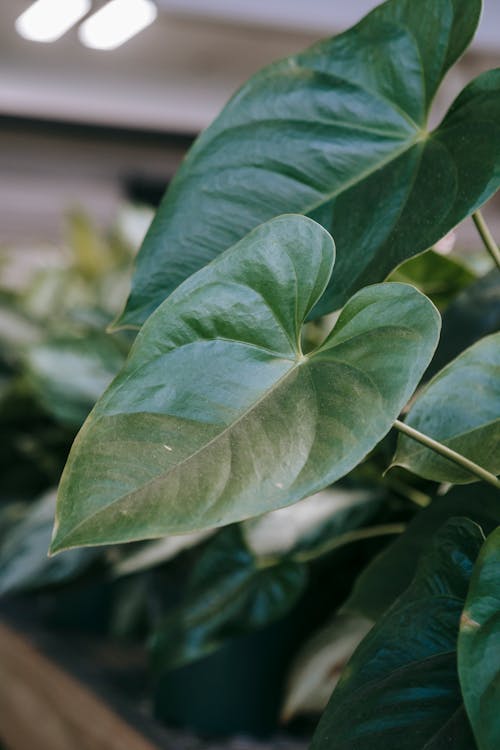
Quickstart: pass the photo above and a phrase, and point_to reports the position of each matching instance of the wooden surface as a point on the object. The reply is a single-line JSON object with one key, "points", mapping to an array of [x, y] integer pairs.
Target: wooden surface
{"points": [[44, 708]]}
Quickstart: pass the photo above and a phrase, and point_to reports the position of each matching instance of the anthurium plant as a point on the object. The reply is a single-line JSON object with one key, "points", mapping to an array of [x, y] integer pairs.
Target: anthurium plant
{"points": [[318, 179]]}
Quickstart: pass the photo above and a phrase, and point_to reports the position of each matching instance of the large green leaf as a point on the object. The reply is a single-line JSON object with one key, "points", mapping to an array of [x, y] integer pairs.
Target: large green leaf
{"points": [[400, 689], [390, 572], [460, 408], [479, 646], [230, 593], [339, 133], [218, 416]]}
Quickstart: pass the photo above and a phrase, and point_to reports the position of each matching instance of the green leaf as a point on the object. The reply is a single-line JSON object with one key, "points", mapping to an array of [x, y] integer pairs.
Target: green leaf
{"points": [[460, 408], [24, 564], [230, 593], [69, 374], [400, 689], [217, 415], [390, 572], [479, 646], [439, 277], [475, 313], [338, 133]]}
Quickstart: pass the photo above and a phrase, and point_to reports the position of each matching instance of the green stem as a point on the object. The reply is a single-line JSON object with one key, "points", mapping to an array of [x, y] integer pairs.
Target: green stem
{"points": [[446, 452], [486, 236], [350, 536]]}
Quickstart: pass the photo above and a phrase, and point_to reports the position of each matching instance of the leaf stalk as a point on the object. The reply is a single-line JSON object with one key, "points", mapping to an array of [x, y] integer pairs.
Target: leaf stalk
{"points": [[486, 236], [448, 453]]}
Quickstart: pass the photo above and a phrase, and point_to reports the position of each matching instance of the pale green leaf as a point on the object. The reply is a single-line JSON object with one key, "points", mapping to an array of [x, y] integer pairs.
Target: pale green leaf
{"points": [[217, 415]]}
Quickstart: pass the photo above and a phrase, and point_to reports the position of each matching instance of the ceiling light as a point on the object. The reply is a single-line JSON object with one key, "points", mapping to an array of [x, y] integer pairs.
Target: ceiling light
{"points": [[116, 23], [47, 20]]}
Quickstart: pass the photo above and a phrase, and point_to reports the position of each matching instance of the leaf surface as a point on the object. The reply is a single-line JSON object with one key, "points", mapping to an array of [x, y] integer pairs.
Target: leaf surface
{"points": [[217, 415], [460, 407], [338, 133], [479, 646], [400, 689]]}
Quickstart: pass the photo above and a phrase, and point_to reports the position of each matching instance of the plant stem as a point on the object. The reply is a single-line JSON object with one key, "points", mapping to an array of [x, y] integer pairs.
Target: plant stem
{"points": [[350, 536], [486, 236], [446, 452]]}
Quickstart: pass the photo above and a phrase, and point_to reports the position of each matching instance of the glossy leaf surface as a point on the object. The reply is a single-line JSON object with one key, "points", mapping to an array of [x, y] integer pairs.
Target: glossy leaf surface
{"points": [[218, 416], [479, 646], [230, 593], [460, 407], [400, 689], [390, 572], [338, 133]]}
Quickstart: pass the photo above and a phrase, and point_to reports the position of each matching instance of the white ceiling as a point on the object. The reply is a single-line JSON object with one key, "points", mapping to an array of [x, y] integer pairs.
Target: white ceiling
{"points": [[177, 74]]}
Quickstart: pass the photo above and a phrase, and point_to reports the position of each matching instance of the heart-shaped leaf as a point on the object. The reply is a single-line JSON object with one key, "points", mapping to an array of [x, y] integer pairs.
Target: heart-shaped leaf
{"points": [[339, 133], [391, 571], [460, 407], [400, 689], [479, 646], [230, 593], [218, 416]]}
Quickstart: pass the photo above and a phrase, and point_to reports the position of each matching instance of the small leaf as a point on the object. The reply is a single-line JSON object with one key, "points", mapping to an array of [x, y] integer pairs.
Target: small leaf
{"points": [[24, 564], [390, 572], [400, 689], [460, 407], [217, 415], [230, 593], [439, 277], [338, 133], [479, 646]]}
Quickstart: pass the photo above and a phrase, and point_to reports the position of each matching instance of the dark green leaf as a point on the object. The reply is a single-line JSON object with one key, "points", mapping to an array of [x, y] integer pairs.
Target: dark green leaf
{"points": [[24, 564], [230, 593], [400, 689], [479, 646], [218, 416], [460, 407], [338, 133], [388, 575]]}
